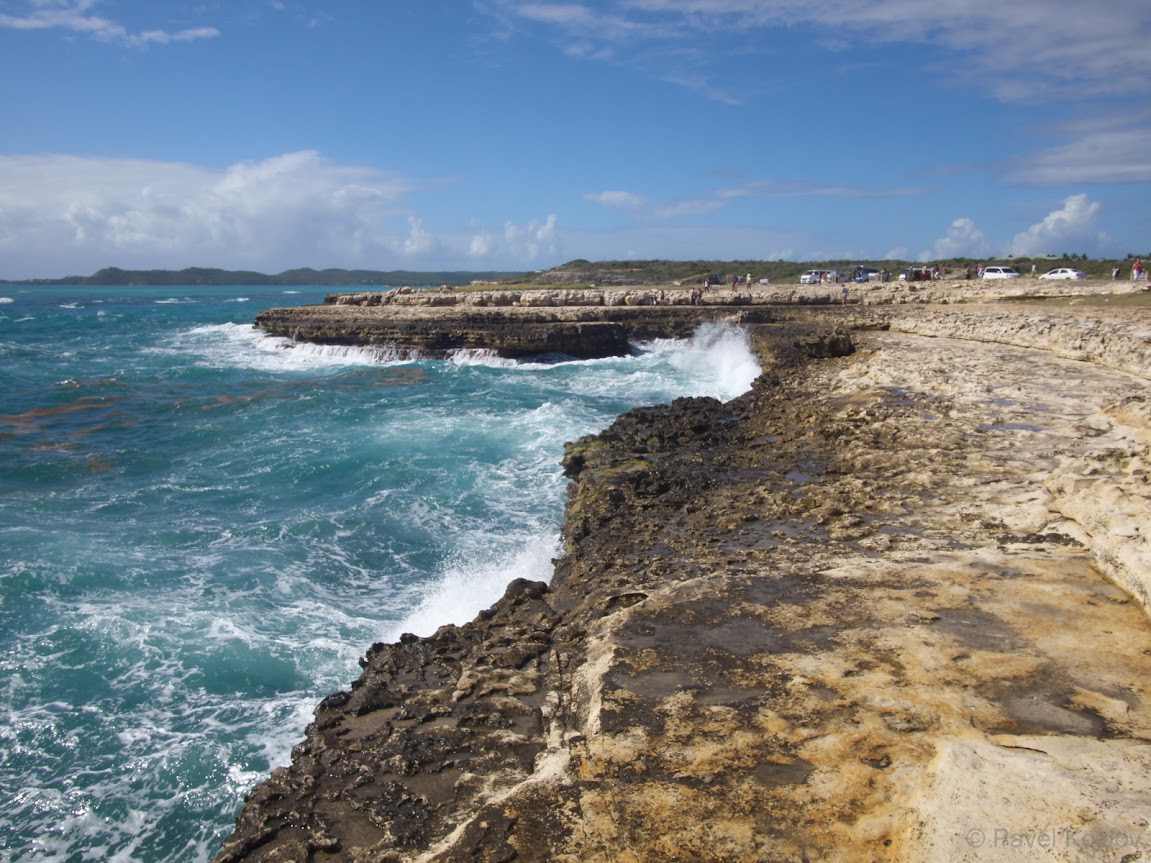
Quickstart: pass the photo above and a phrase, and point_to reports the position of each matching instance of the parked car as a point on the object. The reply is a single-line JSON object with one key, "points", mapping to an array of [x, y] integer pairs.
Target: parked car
{"points": [[1000, 273], [916, 274], [1064, 273], [815, 277]]}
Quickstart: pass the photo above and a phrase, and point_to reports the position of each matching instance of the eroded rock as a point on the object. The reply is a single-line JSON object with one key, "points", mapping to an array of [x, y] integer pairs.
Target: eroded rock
{"points": [[861, 612]]}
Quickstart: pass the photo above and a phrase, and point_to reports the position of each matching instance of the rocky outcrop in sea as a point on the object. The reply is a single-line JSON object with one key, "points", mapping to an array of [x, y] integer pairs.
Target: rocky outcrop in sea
{"points": [[890, 604]]}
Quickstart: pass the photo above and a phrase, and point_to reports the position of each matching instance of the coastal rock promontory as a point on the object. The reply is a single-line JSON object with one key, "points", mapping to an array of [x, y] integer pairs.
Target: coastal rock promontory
{"points": [[890, 604]]}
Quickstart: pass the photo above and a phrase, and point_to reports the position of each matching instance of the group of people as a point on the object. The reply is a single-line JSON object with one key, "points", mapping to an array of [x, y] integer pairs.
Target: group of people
{"points": [[1137, 271], [928, 274]]}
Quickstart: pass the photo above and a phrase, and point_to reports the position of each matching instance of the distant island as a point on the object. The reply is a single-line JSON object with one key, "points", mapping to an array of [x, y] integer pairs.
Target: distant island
{"points": [[301, 276]]}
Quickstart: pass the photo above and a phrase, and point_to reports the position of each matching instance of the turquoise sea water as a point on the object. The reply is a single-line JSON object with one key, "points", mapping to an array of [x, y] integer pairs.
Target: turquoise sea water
{"points": [[202, 528]]}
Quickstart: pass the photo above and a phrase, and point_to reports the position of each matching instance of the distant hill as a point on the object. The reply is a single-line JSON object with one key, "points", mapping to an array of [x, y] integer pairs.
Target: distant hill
{"points": [[655, 272], [298, 277], [694, 272], [572, 273]]}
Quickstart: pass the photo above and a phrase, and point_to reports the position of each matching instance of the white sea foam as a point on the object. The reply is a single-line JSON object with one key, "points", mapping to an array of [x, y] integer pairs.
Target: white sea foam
{"points": [[233, 605], [717, 361], [477, 357], [6, 300], [234, 345], [471, 583]]}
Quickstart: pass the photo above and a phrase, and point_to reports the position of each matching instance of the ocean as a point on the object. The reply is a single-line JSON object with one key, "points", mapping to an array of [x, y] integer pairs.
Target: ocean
{"points": [[202, 528]]}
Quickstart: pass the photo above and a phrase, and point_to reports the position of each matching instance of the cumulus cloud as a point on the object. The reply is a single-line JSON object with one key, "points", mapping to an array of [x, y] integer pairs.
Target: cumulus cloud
{"points": [[70, 215], [534, 242], [77, 16], [962, 240], [419, 242], [84, 213], [1070, 228]]}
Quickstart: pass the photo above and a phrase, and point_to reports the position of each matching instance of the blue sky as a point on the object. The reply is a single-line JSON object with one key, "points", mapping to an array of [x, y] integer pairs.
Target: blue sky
{"points": [[499, 134]]}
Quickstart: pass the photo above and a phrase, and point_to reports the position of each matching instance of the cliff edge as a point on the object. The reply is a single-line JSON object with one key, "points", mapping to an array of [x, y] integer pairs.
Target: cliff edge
{"points": [[891, 604]]}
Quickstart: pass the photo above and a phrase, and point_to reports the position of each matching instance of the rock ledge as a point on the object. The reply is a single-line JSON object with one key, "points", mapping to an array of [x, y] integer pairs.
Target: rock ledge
{"points": [[872, 609]]}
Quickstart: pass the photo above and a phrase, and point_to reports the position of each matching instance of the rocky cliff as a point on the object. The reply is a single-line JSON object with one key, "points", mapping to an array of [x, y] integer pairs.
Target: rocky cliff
{"points": [[888, 605], [514, 332]]}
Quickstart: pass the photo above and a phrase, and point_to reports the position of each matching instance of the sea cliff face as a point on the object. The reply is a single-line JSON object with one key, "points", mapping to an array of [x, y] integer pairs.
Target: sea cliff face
{"points": [[888, 605]]}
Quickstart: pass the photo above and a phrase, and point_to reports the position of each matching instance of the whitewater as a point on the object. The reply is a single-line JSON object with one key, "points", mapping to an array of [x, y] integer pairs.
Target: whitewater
{"points": [[202, 528]]}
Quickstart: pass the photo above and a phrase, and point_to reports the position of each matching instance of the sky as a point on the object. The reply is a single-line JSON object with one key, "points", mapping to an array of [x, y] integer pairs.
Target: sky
{"points": [[509, 135]]}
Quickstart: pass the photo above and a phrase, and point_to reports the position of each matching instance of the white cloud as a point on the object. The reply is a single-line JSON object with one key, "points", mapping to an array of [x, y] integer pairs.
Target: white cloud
{"points": [[529, 244], [69, 215], [1068, 229], [85, 213], [618, 200], [1106, 156], [718, 199], [1025, 49], [76, 16], [962, 240], [419, 241]]}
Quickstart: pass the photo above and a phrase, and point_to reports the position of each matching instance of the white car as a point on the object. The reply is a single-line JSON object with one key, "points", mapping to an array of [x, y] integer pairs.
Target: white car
{"points": [[1064, 273], [815, 277], [1000, 273]]}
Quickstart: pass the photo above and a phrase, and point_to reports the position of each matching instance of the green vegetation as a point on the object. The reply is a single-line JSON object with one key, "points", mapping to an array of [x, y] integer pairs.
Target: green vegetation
{"points": [[606, 273], [575, 275]]}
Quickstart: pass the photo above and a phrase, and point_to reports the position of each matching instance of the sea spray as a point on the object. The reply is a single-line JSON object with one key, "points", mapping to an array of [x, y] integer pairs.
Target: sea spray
{"points": [[718, 360]]}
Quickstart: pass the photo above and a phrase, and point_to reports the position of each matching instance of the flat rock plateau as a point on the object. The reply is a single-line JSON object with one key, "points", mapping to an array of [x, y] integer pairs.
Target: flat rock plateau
{"points": [[891, 604]]}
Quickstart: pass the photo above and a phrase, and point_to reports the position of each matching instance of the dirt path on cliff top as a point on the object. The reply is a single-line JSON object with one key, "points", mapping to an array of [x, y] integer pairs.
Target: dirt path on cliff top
{"points": [[877, 638]]}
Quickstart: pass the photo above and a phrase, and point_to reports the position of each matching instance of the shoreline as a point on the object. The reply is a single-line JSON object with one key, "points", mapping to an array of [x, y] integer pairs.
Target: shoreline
{"points": [[795, 623]]}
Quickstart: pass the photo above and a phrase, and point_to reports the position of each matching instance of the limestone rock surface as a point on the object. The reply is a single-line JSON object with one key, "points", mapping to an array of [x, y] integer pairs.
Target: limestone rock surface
{"points": [[889, 605]]}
